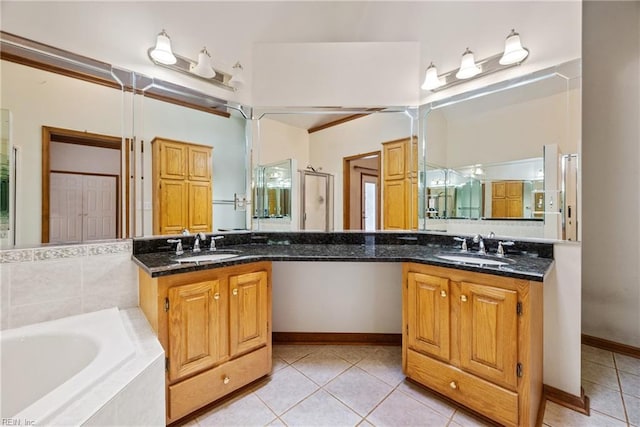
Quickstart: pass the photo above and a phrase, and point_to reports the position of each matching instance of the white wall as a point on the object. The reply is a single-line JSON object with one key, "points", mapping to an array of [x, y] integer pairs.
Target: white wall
{"points": [[277, 141], [610, 177], [38, 98], [226, 136], [328, 147], [82, 158]]}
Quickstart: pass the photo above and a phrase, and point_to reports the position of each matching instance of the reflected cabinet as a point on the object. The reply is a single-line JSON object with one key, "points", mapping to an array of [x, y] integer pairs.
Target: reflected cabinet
{"points": [[400, 184], [182, 187]]}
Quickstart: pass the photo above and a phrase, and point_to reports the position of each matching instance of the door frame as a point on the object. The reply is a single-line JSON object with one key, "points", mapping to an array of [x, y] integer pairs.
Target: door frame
{"points": [[362, 181], [346, 186], [69, 136]]}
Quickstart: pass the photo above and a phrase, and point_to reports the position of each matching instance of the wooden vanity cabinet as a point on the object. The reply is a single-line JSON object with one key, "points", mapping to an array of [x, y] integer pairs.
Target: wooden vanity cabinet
{"points": [[214, 326], [475, 338]]}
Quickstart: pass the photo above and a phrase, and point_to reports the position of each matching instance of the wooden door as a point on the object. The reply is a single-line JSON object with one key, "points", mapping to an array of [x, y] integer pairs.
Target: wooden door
{"points": [[173, 160], [395, 201], [489, 333], [195, 338], [248, 310], [199, 163], [200, 219], [394, 159], [428, 314], [173, 206]]}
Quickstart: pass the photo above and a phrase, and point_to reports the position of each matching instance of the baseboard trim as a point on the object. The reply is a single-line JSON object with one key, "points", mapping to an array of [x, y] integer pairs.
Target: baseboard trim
{"points": [[336, 338], [611, 346], [577, 403]]}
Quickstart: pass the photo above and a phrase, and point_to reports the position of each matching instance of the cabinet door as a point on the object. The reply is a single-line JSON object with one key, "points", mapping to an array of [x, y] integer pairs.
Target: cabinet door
{"points": [[199, 163], [428, 314], [248, 308], [173, 160], [200, 207], [173, 206], [394, 157], [195, 338], [489, 332], [395, 201]]}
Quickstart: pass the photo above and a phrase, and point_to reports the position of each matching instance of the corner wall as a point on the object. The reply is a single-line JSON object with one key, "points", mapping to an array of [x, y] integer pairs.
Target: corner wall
{"points": [[611, 178]]}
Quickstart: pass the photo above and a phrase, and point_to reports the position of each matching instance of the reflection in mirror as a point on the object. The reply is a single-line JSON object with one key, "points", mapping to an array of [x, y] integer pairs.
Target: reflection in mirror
{"points": [[36, 100], [6, 190], [493, 158], [209, 149], [342, 152], [272, 191]]}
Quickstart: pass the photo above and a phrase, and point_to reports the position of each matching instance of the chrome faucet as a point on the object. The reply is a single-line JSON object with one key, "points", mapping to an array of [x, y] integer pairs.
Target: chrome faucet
{"points": [[500, 251], [463, 247], [196, 243], [212, 246], [179, 250], [478, 239]]}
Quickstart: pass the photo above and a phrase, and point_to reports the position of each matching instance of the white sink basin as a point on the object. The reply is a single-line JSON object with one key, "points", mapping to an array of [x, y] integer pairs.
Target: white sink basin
{"points": [[472, 260], [206, 258]]}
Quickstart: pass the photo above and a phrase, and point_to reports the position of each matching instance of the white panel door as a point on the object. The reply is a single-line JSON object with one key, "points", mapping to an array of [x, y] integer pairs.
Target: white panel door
{"points": [[99, 207], [315, 202], [65, 208]]}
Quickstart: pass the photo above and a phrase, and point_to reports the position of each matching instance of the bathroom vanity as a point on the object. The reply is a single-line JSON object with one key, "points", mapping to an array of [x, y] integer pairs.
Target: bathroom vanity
{"points": [[472, 325]]}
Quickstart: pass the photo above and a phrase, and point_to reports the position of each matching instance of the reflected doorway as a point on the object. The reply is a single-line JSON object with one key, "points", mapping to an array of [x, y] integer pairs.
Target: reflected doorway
{"points": [[82, 186], [361, 191], [316, 201]]}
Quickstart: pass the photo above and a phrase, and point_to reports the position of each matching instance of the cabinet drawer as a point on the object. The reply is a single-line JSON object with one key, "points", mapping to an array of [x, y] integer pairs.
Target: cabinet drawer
{"points": [[480, 395], [195, 392]]}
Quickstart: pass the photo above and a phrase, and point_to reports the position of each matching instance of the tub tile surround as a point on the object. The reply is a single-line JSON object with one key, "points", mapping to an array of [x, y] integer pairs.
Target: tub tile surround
{"points": [[52, 282]]}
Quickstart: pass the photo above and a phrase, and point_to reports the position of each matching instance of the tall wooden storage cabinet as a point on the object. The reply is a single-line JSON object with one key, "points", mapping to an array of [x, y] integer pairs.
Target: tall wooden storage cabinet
{"points": [[181, 187], [400, 184], [475, 338]]}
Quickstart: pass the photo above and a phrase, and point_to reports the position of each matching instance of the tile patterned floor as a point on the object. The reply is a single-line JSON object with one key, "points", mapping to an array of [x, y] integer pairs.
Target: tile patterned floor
{"points": [[364, 386]]}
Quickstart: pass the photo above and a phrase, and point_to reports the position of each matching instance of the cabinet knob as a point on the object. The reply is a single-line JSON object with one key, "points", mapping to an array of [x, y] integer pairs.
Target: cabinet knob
{"points": [[463, 298], [216, 295], [226, 380], [443, 294], [453, 385], [235, 291]]}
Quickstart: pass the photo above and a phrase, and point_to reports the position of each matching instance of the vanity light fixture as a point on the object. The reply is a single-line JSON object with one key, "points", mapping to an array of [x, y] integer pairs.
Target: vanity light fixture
{"points": [[163, 56], [514, 54], [237, 81]]}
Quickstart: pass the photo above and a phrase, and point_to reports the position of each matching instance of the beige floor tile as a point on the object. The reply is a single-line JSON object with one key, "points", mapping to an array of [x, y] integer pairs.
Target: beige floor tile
{"points": [[291, 353], [427, 397], [465, 419], [285, 388], [244, 411], [627, 364], [630, 383], [600, 374], [321, 409], [321, 367], [632, 404], [384, 364], [359, 390], [278, 364], [365, 423], [401, 410], [597, 355], [605, 400], [559, 416], [352, 353], [276, 423]]}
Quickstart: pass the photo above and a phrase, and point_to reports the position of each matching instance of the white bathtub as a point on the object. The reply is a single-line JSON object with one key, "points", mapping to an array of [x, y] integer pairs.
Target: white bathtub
{"points": [[46, 366]]}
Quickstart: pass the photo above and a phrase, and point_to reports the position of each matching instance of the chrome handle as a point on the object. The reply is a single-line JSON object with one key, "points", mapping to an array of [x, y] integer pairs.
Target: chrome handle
{"points": [[235, 292], [216, 295], [463, 298], [443, 294], [453, 385], [226, 380]]}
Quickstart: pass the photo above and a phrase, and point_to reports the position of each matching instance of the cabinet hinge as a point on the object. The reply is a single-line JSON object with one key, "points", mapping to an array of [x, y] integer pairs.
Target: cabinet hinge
{"points": [[519, 308], [166, 304], [142, 146], [166, 364], [407, 330], [519, 370]]}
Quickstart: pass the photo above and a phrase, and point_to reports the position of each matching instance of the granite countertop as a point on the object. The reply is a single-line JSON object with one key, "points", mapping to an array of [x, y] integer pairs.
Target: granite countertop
{"points": [[528, 266]]}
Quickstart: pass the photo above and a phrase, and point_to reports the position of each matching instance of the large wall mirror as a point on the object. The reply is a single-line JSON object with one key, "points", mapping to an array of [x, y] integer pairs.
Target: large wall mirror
{"points": [[341, 160], [504, 158]]}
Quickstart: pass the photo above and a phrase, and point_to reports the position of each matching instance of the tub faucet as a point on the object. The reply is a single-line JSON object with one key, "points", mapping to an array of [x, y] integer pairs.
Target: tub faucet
{"points": [[196, 243], [212, 246], [179, 250], [478, 239]]}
